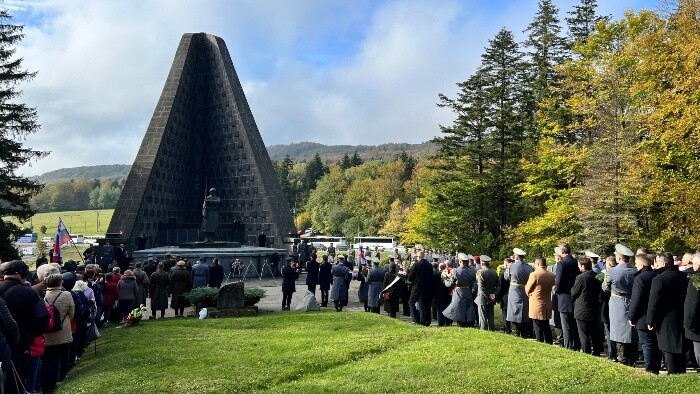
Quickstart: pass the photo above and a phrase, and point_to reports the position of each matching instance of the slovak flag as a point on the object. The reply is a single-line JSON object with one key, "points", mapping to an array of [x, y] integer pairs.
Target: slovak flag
{"points": [[61, 239]]}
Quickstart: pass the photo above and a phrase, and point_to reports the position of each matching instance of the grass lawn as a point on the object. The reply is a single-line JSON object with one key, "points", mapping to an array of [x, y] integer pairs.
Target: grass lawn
{"points": [[329, 352], [77, 222]]}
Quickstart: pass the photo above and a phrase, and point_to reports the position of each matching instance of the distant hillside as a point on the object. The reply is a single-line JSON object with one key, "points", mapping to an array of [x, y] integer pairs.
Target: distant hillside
{"points": [[301, 152], [110, 171], [304, 151]]}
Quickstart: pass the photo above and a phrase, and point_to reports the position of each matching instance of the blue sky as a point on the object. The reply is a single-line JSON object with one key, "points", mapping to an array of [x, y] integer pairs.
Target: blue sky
{"points": [[334, 72]]}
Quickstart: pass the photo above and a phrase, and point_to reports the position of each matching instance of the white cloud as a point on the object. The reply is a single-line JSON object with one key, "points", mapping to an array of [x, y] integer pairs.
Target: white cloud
{"points": [[327, 71]]}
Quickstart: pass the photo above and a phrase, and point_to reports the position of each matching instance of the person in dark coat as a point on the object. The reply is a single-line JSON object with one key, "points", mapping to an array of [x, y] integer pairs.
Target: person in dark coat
{"points": [[665, 311], [585, 293], [637, 314], [312, 268], [325, 278], [158, 290], [9, 336], [180, 283], [691, 308], [290, 273], [339, 290], [375, 280], [421, 278], [392, 305], [502, 296], [30, 314], [566, 273], [128, 293], [216, 274], [274, 261]]}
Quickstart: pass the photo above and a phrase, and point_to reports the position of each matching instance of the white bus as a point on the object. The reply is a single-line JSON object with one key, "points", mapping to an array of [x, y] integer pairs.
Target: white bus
{"points": [[325, 241], [381, 243]]}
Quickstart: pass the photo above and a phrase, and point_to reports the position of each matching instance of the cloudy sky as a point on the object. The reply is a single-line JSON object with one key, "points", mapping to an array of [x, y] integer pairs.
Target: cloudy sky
{"points": [[333, 72]]}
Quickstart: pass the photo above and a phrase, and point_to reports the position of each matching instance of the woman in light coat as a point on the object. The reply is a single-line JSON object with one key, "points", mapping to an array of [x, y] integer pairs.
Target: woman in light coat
{"points": [[58, 343]]}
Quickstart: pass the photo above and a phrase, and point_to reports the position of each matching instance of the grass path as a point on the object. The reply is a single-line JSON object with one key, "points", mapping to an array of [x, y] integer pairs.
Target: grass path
{"points": [[329, 352]]}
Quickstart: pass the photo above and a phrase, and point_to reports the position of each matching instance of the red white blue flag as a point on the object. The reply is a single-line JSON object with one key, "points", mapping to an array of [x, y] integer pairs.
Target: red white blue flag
{"points": [[62, 238]]}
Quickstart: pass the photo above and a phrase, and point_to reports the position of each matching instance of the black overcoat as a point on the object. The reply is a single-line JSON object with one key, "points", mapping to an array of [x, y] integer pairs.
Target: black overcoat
{"points": [[665, 311], [586, 293], [691, 310], [640, 297]]}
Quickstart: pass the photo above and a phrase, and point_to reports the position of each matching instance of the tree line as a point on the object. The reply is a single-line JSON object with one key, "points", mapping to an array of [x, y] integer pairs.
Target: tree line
{"points": [[76, 195]]}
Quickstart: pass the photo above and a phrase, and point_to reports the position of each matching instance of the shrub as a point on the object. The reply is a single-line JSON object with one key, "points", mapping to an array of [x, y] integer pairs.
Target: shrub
{"points": [[202, 296]]}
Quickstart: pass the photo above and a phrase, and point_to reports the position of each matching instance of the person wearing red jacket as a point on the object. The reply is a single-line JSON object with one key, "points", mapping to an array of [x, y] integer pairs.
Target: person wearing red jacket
{"points": [[110, 297]]}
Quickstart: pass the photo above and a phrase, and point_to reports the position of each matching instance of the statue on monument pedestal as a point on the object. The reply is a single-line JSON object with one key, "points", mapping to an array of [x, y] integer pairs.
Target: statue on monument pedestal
{"points": [[210, 215]]}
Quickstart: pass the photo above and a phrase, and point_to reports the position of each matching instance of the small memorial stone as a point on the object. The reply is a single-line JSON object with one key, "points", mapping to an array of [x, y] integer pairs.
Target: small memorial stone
{"points": [[231, 296]]}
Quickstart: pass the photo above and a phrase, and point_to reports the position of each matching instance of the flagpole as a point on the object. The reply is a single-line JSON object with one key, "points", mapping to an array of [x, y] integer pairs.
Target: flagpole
{"points": [[80, 256]]}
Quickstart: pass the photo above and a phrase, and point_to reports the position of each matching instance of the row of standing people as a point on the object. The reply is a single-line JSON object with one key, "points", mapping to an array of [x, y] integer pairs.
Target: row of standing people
{"points": [[650, 303]]}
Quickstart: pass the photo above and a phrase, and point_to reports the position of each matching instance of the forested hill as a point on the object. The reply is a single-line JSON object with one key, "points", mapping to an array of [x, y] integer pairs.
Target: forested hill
{"points": [[301, 151], [108, 171], [305, 151]]}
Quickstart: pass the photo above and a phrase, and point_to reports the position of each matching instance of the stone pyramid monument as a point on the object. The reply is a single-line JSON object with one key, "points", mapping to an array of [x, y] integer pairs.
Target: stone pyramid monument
{"points": [[202, 135]]}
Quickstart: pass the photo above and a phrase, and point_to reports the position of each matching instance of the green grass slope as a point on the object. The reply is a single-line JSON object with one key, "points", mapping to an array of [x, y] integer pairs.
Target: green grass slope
{"points": [[329, 352], [77, 222]]}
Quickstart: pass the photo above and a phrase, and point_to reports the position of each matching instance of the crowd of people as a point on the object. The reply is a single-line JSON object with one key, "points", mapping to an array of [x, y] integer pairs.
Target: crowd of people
{"points": [[604, 306], [49, 317]]}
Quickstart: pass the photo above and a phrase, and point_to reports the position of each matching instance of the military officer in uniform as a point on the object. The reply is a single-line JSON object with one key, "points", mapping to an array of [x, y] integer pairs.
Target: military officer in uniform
{"points": [[375, 278], [461, 308], [620, 280], [518, 303], [488, 284]]}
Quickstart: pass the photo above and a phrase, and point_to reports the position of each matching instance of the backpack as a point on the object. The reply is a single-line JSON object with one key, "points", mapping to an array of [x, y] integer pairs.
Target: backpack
{"points": [[55, 322]]}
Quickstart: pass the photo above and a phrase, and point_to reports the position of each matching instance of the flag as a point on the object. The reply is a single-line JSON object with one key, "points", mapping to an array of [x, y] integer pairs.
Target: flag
{"points": [[361, 257], [62, 238]]}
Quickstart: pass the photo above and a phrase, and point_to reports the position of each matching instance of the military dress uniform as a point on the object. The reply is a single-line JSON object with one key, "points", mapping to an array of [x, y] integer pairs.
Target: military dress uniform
{"points": [[620, 281], [518, 303]]}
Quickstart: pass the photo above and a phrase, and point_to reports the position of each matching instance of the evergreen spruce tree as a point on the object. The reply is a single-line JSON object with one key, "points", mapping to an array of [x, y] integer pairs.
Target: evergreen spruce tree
{"points": [[315, 170], [17, 121], [345, 162], [504, 89], [547, 49], [355, 160], [582, 21]]}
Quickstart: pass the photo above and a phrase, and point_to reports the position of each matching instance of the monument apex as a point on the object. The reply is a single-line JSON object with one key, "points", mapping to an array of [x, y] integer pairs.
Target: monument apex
{"points": [[202, 135]]}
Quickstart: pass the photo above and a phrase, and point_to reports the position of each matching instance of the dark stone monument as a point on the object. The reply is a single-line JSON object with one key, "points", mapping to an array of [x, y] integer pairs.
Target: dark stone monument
{"points": [[202, 135], [231, 296]]}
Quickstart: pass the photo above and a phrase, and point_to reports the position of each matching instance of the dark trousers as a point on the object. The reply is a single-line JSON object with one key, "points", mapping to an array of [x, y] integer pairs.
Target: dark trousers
{"points": [[125, 307], [423, 305], [54, 357], [520, 329], [612, 346], [627, 353], [506, 323], [543, 333], [374, 309], [588, 335], [650, 350], [568, 326], [324, 297], [312, 289], [415, 315], [675, 362], [286, 299], [21, 362], [338, 305]]}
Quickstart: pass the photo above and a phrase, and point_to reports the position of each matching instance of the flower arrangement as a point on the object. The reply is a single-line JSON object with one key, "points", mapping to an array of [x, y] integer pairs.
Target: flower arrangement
{"points": [[405, 267], [135, 316], [447, 277]]}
